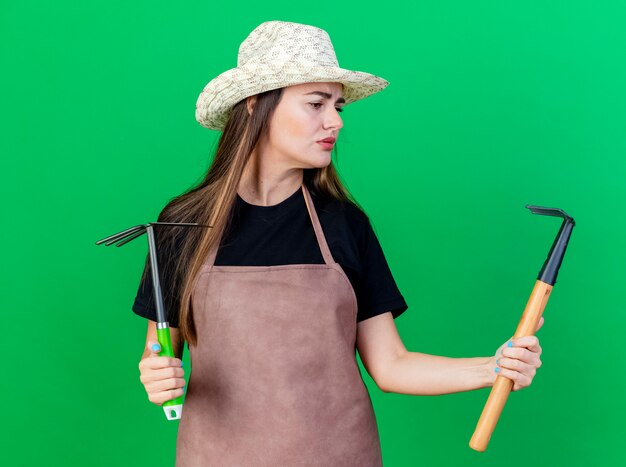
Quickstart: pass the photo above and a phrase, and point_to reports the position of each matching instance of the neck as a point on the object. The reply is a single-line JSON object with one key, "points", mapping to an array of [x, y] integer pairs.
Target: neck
{"points": [[268, 184]]}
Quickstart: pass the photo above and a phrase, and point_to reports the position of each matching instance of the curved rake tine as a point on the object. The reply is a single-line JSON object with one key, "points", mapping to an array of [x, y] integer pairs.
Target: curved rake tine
{"points": [[118, 235], [183, 224], [130, 238], [545, 211]]}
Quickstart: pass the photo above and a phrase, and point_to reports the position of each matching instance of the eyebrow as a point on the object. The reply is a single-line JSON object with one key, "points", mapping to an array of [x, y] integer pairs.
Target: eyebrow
{"points": [[326, 95]]}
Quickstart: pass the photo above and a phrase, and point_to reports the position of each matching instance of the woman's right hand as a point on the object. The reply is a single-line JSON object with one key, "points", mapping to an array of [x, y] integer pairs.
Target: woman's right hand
{"points": [[162, 377]]}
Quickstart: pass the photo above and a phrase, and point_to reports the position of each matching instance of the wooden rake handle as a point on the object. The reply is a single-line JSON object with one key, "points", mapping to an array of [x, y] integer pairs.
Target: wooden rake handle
{"points": [[502, 386]]}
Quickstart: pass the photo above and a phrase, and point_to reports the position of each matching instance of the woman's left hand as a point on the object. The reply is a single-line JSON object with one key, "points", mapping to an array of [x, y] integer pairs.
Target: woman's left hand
{"points": [[518, 360]]}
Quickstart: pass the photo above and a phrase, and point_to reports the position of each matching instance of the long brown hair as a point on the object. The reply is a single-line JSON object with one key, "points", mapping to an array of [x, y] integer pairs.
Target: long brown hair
{"points": [[211, 202]]}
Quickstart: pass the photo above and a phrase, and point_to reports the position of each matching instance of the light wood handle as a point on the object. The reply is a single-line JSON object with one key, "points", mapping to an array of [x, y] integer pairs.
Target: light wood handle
{"points": [[502, 386]]}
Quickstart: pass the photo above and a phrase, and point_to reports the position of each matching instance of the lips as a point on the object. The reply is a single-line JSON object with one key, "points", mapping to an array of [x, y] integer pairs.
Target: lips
{"points": [[327, 140]]}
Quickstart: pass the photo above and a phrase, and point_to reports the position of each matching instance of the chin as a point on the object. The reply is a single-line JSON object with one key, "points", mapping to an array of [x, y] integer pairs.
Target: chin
{"points": [[321, 162]]}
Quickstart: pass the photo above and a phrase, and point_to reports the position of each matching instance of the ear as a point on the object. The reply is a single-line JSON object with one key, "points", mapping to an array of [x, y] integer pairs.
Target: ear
{"points": [[250, 102]]}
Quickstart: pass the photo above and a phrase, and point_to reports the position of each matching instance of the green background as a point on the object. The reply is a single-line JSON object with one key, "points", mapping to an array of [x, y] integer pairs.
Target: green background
{"points": [[492, 106]]}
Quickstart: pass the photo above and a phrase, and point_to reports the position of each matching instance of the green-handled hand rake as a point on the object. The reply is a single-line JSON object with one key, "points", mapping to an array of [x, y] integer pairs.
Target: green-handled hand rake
{"points": [[173, 408]]}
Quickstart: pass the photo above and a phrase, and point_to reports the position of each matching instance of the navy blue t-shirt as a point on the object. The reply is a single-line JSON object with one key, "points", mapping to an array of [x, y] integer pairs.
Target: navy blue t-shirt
{"points": [[283, 234]]}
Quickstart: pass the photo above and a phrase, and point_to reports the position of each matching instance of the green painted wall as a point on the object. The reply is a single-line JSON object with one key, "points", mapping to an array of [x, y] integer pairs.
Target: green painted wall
{"points": [[491, 106]]}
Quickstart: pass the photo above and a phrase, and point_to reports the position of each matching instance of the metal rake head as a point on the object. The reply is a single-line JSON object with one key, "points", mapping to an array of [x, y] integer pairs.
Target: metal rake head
{"points": [[125, 236], [128, 235]]}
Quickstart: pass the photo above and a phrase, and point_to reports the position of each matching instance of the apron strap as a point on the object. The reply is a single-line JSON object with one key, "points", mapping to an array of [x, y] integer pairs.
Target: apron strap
{"points": [[210, 261], [319, 233]]}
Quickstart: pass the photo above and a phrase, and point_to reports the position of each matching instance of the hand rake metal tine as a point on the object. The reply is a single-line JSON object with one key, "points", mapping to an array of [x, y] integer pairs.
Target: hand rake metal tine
{"points": [[130, 238], [113, 238], [183, 224]]}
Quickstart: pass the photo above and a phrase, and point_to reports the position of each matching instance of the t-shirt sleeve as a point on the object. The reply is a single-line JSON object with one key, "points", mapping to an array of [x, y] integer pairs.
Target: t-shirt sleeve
{"points": [[144, 300], [377, 292]]}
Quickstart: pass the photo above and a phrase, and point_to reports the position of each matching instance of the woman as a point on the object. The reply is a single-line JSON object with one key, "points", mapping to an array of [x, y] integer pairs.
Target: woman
{"points": [[274, 312]]}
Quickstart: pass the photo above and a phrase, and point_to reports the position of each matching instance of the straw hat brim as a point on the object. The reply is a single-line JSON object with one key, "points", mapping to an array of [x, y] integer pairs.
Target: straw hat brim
{"points": [[224, 91]]}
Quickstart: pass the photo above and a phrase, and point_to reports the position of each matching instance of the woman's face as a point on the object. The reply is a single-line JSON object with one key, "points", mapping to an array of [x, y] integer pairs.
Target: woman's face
{"points": [[306, 114]]}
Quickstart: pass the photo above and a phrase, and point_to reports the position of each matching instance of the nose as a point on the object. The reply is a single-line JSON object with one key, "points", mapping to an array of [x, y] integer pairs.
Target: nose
{"points": [[332, 119]]}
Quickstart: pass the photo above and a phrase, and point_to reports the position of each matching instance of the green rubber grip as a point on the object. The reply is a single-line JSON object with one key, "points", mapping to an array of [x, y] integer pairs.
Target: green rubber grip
{"points": [[167, 351]]}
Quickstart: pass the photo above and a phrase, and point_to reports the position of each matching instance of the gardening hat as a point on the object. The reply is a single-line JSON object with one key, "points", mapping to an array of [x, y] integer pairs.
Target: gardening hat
{"points": [[278, 54]]}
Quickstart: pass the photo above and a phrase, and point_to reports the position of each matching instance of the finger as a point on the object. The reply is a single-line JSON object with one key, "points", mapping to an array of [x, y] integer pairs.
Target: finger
{"points": [[517, 365], [539, 324], [525, 355], [153, 347], [529, 342], [164, 396], [165, 385], [519, 380], [154, 363], [161, 374], [503, 346]]}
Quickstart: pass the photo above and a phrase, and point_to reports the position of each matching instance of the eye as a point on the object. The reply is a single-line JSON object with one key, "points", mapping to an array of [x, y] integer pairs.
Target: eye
{"points": [[316, 104]]}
